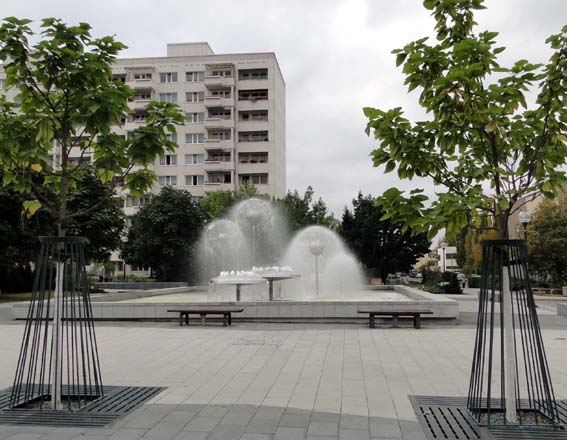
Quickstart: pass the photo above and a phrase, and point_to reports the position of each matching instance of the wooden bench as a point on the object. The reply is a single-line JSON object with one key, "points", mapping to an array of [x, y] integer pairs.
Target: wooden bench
{"points": [[225, 312], [395, 314]]}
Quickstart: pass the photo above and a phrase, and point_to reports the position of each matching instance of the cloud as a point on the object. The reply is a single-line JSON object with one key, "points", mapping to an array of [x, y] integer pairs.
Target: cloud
{"points": [[335, 57]]}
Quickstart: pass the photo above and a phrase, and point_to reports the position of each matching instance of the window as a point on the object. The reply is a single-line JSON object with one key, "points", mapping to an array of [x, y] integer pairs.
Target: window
{"points": [[219, 113], [194, 159], [225, 73], [255, 179], [53, 160], [1, 84], [252, 95], [143, 76], [194, 118], [220, 135], [142, 95], [139, 117], [168, 77], [252, 136], [194, 138], [219, 93], [195, 76], [219, 157], [220, 178], [168, 97], [79, 160], [195, 180], [256, 115], [253, 157], [195, 96], [167, 180], [253, 74], [171, 137], [168, 159], [137, 201]]}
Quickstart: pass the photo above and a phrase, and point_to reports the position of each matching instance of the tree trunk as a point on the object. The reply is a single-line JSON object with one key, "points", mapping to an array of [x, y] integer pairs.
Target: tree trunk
{"points": [[502, 225]]}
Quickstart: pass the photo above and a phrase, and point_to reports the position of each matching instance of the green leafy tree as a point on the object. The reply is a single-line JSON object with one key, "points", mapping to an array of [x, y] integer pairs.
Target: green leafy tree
{"points": [[482, 145], [164, 233], [18, 233], [68, 105], [103, 227], [381, 245], [302, 211], [548, 241], [217, 204]]}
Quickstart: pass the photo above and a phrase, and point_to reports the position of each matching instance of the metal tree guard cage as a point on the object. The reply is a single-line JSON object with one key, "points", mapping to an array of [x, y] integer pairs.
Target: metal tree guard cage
{"points": [[510, 382], [58, 367]]}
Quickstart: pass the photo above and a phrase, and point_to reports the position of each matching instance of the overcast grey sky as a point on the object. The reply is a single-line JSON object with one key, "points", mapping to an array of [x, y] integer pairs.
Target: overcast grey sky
{"points": [[334, 55]]}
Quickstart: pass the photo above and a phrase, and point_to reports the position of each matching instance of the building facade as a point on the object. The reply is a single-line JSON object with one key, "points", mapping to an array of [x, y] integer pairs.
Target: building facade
{"points": [[235, 118]]}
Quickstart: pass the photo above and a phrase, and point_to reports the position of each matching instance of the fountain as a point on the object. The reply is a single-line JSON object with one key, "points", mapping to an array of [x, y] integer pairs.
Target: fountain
{"points": [[251, 251]]}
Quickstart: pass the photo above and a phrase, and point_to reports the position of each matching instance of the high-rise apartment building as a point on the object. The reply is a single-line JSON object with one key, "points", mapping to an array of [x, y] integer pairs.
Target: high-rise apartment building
{"points": [[235, 118]]}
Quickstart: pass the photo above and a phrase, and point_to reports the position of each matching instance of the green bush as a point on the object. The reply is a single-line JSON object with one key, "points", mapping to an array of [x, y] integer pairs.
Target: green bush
{"points": [[451, 284]]}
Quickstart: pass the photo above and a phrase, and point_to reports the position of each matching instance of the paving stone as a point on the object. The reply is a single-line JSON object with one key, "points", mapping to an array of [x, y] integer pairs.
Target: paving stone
{"points": [[164, 430], [226, 432], [348, 421], [214, 411], [201, 423], [323, 428], [262, 426], [128, 434], [289, 433], [252, 436], [325, 417], [385, 429], [354, 434], [269, 413], [191, 435], [295, 420]]}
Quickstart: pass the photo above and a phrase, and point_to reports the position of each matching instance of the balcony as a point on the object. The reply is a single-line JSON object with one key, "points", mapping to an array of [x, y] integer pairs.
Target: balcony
{"points": [[212, 145], [212, 123], [217, 101], [212, 166], [219, 81]]}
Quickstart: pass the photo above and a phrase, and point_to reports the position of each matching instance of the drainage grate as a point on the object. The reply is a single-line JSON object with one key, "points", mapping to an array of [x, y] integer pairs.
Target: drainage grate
{"points": [[447, 418], [116, 402]]}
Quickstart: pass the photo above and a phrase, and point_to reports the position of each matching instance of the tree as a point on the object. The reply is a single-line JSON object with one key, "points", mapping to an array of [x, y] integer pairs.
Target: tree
{"points": [[68, 105], [18, 233], [218, 203], [103, 227], [163, 234], [482, 144], [381, 245], [302, 211], [547, 236]]}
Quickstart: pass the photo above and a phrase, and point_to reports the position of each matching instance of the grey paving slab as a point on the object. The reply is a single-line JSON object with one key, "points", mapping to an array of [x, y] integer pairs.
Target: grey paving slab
{"points": [[295, 420], [226, 432], [290, 433], [202, 423], [262, 426], [191, 435], [354, 434], [323, 428]]}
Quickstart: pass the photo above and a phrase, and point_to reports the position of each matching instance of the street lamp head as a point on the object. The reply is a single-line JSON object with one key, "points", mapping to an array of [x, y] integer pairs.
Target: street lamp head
{"points": [[525, 217], [444, 245]]}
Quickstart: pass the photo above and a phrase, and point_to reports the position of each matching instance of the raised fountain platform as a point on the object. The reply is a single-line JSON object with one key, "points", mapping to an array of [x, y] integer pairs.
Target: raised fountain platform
{"points": [[323, 309], [562, 309]]}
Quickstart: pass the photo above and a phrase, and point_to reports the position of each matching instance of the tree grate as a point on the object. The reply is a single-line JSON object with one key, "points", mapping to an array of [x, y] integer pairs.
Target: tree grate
{"points": [[447, 418], [116, 402]]}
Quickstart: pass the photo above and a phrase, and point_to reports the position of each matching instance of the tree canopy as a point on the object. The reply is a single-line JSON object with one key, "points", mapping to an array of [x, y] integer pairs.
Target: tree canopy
{"points": [[163, 234], [548, 241], [65, 105], [482, 145], [380, 244], [302, 211]]}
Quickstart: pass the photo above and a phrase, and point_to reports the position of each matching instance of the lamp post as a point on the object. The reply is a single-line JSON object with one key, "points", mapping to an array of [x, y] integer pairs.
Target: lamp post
{"points": [[525, 217], [443, 247]]}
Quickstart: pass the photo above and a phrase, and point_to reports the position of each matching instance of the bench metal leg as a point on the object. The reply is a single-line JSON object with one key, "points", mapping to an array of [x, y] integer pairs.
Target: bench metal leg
{"points": [[187, 318], [417, 321], [203, 318], [229, 319], [372, 323], [181, 319], [395, 319], [225, 319]]}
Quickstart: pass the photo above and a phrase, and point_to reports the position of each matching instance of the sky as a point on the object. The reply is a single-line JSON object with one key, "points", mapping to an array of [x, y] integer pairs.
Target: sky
{"points": [[335, 56]]}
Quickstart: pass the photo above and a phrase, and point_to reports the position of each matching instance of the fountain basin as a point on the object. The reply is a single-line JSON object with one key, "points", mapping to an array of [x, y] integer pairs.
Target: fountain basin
{"points": [[323, 309]]}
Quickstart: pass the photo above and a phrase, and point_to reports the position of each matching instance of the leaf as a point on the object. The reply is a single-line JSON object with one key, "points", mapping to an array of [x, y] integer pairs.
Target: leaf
{"points": [[36, 167], [30, 207]]}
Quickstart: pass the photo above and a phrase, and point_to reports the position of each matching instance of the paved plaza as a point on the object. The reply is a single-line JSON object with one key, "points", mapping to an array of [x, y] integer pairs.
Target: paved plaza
{"points": [[280, 381]]}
